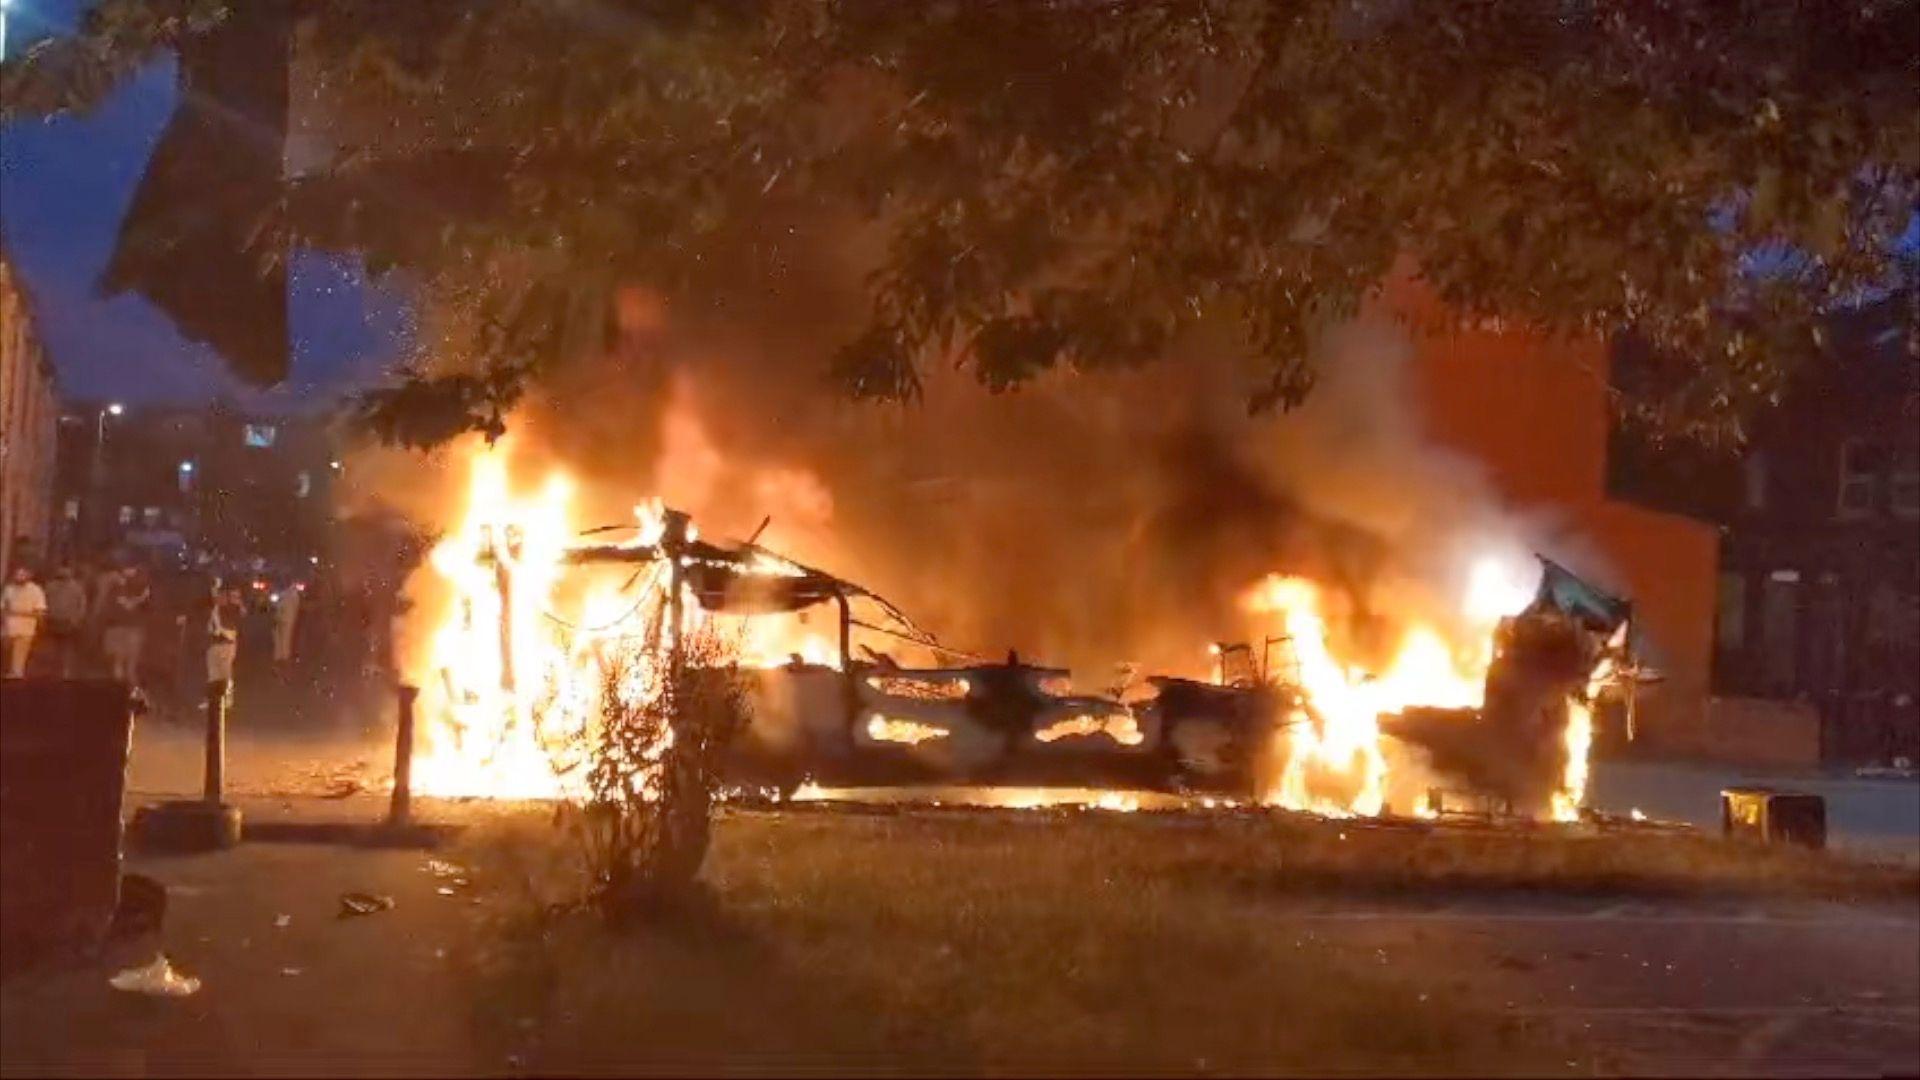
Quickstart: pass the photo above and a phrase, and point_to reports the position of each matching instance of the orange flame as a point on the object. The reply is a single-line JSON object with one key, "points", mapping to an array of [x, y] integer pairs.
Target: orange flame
{"points": [[1332, 753]]}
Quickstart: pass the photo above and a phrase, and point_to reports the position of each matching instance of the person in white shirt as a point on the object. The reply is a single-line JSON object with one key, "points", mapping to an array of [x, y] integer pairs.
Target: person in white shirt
{"points": [[223, 635], [286, 615], [23, 605]]}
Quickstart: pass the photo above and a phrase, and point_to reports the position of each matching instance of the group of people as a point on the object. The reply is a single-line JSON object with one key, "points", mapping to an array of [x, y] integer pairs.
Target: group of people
{"points": [[74, 618], [77, 618]]}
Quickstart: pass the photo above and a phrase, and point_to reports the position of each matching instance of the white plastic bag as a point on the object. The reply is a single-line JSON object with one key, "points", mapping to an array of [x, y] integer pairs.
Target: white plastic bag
{"points": [[156, 978]]}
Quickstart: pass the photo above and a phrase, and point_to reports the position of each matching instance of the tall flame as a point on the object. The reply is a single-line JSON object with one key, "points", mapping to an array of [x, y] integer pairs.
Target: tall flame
{"points": [[1333, 755], [516, 664], [1334, 762], [515, 668]]}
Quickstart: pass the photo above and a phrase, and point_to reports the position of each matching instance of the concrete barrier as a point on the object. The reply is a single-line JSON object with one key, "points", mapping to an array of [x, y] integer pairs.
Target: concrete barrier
{"points": [[63, 767], [1759, 733]]}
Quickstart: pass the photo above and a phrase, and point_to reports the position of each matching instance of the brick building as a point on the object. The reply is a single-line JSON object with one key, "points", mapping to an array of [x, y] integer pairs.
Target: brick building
{"points": [[1817, 612], [29, 412], [1534, 412]]}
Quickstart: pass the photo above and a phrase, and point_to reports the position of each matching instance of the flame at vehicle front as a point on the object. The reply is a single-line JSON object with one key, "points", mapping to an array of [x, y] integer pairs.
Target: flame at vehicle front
{"points": [[1332, 756], [514, 665]]}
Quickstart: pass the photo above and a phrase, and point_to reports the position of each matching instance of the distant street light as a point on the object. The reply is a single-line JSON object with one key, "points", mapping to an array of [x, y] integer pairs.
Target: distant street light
{"points": [[100, 443]]}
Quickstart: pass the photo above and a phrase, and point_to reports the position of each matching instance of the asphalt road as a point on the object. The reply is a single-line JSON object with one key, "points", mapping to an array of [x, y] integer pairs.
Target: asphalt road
{"points": [[1668, 989]]}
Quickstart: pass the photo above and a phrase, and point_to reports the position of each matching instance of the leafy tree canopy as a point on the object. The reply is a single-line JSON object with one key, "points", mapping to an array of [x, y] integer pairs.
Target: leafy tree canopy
{"points": [[1077, 182]]}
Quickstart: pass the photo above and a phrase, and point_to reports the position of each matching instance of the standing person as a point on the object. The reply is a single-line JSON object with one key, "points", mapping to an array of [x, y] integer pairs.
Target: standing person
{"points": [[286, 615], [105, 583], [223, 635], [126, 625], [23, 605], [66, 618]]}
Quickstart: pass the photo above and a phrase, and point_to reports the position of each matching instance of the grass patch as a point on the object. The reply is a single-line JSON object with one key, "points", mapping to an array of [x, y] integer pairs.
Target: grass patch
{"points": [[1054, 942], [1293, 854]]}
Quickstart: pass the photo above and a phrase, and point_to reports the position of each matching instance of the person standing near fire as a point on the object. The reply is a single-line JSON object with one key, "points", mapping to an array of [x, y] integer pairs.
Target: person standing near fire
{"points": [[286, 616], [223, 635], [66, 618], [23, 606], [126, 625]]}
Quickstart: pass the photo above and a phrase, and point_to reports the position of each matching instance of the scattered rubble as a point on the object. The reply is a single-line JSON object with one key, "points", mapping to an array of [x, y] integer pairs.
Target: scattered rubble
{"points": [[359, 903]]}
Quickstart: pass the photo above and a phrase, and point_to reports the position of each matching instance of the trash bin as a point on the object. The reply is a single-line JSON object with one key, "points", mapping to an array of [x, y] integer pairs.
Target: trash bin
{"points": [[1774, 817], [63, 772]]}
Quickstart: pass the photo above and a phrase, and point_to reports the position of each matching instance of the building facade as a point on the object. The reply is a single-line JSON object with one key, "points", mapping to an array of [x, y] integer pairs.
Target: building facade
{"points": [[174, 485], [1819, 593], [29, 415], [1534, 412], [1817, 601]]}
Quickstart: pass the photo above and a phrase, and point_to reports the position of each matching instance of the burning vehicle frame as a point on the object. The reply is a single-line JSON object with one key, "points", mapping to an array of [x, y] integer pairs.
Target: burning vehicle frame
{"points": [[870, 722]]}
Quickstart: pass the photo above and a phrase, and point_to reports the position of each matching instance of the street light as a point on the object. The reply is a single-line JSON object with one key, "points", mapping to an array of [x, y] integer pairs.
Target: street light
{"points": [[100, 441], [100, 422]]}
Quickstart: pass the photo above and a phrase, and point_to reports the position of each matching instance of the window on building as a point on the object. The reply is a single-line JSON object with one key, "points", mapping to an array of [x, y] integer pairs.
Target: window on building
{"points": [[259, 434], [71, 511], [126, 515], [1860, 465], [151, 517], [1730, 616], [1826, 653], [1890, 641], [1779, 633], [1903, 484], [1754, 471]]}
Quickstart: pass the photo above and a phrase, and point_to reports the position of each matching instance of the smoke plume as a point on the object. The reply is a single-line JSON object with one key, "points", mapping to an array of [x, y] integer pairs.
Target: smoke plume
{"points": [[1086, 519]]}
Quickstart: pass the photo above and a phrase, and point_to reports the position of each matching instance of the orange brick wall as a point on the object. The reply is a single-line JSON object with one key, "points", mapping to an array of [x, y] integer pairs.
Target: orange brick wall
{"points": [[1533, 411]]}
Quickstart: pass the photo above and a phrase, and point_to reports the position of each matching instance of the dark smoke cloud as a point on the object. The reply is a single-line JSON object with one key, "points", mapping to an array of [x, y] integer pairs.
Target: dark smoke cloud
{"points": [[1086, 519]]}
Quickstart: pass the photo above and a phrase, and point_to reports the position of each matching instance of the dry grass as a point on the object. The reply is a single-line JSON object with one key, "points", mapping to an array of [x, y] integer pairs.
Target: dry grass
{"points": [[1293, 854], [1057, 942]]}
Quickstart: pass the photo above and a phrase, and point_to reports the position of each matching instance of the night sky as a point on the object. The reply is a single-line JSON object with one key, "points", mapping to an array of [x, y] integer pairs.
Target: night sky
{"points": [[64, 187]]}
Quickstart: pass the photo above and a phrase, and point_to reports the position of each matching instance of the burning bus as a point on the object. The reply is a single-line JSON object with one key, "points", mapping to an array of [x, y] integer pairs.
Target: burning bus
{"points": [[510, 682]]}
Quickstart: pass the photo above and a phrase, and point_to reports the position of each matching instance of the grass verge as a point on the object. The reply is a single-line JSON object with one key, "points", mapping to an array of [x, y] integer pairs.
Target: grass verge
{"points": [[1052, 942]]}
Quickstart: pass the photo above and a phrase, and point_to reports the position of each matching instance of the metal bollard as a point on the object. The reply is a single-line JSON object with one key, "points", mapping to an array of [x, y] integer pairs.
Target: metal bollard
{"points": [[216, 776], [401, 807]]}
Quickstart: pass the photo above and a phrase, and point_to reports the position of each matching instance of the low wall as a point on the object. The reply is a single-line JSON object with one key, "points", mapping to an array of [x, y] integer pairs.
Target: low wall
{"points": [[1755, 732]]}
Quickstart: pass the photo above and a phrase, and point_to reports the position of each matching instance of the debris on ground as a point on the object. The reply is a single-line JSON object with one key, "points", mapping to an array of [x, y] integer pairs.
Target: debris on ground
{"points": [[281, 922], [291, 970], [359, 903], [441, 868], [141, 909], [155, 979]]}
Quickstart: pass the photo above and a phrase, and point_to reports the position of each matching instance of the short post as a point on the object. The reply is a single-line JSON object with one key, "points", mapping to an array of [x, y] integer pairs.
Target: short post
{"points": [[849, 679], [218, 696], [402, 806]]}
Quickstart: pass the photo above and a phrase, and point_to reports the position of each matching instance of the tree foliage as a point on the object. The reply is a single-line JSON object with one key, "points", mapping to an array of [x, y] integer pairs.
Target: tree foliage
{"points": [[1079, 182]]}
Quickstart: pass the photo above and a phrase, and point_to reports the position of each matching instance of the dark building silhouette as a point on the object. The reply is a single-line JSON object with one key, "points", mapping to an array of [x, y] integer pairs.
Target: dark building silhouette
{"points": [[1819, 586], [170, 484]]}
